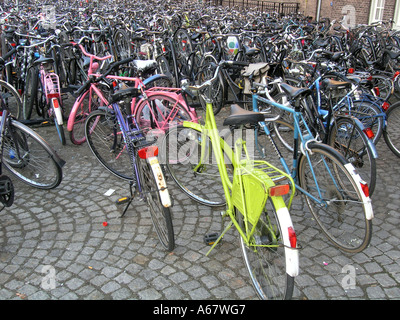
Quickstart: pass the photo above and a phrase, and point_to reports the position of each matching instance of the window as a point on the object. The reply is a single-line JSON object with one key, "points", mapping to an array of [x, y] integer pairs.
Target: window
{"points": [[376, 13], [396, 17]]}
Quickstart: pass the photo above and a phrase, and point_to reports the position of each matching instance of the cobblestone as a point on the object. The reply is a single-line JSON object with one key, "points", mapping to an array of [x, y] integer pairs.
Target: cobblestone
{"points": [[63, 229]]}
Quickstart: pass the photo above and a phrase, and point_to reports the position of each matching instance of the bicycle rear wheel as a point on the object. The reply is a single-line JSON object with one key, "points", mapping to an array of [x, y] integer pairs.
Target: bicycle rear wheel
{"points": [[335, 199], [107, 144], [10, 98], [161, 112], [86, 103], [30, 158], [392, 132], [267, 266], [160, 215], [352, 143], [199, 178]]}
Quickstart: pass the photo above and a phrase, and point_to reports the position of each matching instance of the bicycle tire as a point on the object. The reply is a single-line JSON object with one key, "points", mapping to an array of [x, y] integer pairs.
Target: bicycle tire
{"points": [[31, 92], [391, 134], [82, 107], [10, 97], [122, 44], [352, 143], [369, 114], [36, 164], [160, 215], [267, 265], [59, 127], [107, 144], [180, 151], [166, 110], [347, 225], [217, 94]]}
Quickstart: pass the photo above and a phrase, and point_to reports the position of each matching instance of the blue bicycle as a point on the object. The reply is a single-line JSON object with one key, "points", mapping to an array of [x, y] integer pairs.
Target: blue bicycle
{"points": [[109, 131]]}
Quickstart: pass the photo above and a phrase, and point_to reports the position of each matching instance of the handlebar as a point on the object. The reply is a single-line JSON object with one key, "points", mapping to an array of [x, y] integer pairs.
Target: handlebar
{"points": [[222, 64]]}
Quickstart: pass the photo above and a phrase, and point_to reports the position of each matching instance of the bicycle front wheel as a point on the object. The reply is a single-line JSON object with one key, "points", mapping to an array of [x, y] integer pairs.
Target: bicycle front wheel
{"points": [[392, 132], [335, 199], [30, 158], [352, 143], [190, 161], [266, 257], [106, 142], [160, 215]]}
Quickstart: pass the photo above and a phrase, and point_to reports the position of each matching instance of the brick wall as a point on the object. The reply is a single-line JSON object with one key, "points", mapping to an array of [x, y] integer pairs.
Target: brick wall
{"points": [[335, 9]]}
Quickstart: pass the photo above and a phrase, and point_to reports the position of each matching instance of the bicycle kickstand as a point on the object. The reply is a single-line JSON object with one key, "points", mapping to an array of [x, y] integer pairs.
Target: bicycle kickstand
{"points": [[127, 200]]}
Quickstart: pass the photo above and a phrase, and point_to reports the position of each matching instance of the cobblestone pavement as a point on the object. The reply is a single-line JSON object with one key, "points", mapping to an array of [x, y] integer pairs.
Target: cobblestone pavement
{"points": [[59, 234]]}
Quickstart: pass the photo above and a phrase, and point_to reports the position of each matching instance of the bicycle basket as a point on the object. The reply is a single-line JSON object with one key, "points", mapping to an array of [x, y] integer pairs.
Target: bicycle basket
{"points": [[258, 70], [255, 180]]}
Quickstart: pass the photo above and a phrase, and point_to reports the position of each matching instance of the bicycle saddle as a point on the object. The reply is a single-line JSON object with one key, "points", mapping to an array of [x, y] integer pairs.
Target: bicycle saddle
{"points": [[240, 116], [42, 60], [144, 65], [294, 92], [333, 84]]}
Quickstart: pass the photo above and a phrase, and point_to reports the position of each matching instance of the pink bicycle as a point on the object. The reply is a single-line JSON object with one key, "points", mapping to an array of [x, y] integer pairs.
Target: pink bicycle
{"points": [[157, 107]]}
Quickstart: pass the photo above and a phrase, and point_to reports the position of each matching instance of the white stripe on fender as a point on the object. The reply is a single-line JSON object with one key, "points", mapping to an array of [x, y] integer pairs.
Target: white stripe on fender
{"points": [[292, 254], [161, 184], [366, 200]]}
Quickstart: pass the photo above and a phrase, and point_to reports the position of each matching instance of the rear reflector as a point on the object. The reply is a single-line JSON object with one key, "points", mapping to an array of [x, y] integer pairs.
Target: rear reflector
{"points": [[292, 237], [369, 133], [279, 190], [365, 189], [148, 152]]}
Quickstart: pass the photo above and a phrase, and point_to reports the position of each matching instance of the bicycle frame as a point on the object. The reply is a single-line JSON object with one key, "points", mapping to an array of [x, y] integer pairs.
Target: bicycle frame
{"points": [[128, 130], [300, 141], [241, 168]]}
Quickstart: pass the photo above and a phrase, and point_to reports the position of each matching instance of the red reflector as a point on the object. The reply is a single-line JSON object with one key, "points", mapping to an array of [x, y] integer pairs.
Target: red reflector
{"points": [[377, 91], [292, 237], [385, 106], [395, 75], [53, 95], [365, 189], [148, 152], [13, 44], [351, 70], [369, 133], [279, 190]]}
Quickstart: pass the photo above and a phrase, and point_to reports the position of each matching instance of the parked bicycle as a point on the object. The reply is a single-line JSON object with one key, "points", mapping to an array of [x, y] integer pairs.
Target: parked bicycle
{"points": [[207, 169]]}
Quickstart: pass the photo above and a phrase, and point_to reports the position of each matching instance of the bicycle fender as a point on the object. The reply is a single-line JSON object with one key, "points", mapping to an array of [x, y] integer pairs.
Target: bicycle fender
{"points": [[154, 77], [370, 142], [369, 214], [161, 184], [292, 254]]}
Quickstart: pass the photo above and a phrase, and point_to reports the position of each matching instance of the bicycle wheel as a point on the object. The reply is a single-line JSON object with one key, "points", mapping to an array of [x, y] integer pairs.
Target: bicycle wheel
{"points": [[352, 143], [86, 103], [160, 215], [369, 114], [217, 94], [55, 105], [161, 112], [122, 44], [392, 132], [343, 214], [10, 98], [107, 144], [267, 265], [181, 152], [30, 98], [30, 158]]}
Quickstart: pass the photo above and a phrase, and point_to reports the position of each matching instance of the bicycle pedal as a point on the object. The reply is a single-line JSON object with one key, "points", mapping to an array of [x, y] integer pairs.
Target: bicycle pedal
{"points": [[123, 200], [210, 238]]}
